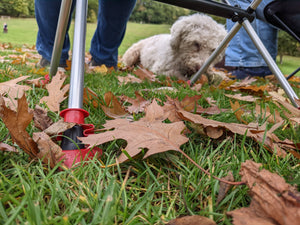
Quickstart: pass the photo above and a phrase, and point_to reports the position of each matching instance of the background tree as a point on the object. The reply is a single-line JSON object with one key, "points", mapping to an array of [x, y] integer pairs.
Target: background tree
{"points": [[17, 8], [148, 11], [287, 45], [92, 11]]}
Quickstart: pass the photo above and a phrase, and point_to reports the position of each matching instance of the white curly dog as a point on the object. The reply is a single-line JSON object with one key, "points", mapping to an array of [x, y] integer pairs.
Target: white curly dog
{"points": [[182, 53]]}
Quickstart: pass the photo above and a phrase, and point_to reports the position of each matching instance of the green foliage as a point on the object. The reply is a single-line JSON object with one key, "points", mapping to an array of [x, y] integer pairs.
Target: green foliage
{"points": [[287, 45], [148, 11], [17, 8], [92, 11]]}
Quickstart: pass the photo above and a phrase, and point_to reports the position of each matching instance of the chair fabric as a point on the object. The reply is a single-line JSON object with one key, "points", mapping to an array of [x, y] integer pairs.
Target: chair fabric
{"points": [[288, 11]]}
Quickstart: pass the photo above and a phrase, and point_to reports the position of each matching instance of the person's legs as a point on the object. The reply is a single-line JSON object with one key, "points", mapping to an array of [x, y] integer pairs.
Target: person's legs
{"points": [[112, 20], [241, 51], [47, 13]]}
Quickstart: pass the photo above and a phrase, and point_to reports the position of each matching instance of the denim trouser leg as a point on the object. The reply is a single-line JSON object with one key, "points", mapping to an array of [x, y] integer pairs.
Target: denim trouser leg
{"points": [[112, 19], [241, 52], [47, 13]]}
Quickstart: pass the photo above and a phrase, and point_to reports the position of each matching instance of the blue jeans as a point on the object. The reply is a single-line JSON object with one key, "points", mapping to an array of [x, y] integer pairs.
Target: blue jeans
{"points": [[241, 52], [111, 26]]}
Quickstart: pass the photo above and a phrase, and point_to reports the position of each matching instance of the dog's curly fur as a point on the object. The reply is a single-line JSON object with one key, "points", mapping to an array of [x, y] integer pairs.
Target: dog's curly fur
{"points": [[182, 53]]}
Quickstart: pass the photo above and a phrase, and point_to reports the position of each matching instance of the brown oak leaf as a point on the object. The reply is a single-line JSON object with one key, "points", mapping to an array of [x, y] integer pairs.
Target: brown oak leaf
{"points": [[137, 105], [113, 108], [253, 130], [145, 74], [16, 123], [41, 120], [12, 91], [149, 132], [50, 152], [90, 96], [273, 200], [56, 92]]}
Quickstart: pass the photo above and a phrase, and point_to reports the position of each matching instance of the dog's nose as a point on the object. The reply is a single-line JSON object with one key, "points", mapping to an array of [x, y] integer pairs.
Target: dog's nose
{"points": [[198, 66]]}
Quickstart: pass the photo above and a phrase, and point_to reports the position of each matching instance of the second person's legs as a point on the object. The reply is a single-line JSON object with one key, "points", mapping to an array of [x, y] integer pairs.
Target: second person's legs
{"points": [[111, 26], [47, 13]]}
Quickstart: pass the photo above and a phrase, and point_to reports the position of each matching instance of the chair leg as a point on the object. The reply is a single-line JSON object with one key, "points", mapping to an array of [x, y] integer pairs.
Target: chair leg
{"points": [[293, 73], [78, 56], [61, 30], [270, 62], [218, 51]]}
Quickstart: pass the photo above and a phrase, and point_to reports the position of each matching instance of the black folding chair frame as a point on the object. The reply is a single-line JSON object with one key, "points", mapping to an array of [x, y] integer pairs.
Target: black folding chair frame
{"points": [[243, 18]]}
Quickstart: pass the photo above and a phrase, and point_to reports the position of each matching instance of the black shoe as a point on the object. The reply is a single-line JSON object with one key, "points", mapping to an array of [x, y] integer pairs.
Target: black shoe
{"points": [[45, 63], [243, 72], [94, 63]]}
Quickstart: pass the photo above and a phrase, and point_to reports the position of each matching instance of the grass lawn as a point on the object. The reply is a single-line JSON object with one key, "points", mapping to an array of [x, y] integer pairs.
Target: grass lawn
{"points": [[21, 31], [142, 191]]}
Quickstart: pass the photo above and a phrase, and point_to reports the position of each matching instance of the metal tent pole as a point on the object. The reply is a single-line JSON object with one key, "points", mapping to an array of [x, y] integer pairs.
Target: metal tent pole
{"points": [[78, 55], [61, 30]]}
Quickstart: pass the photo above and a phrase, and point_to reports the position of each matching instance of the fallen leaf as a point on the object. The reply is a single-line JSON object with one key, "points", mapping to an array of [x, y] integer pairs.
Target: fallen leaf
{"points": [[273, 200], [214, 109], [16, 123], [41, 120], [100, 69], [36, 82], [297, 101], [253, 130], [265, 113], [224, 188], [149, 132], [129, 79], [7, 148], [137, 105], [172, 105], [40, 71], [192, 220], [58, 127], [12, 89], [190, 103], [56, 92], [243, 83], [69, 65], [197, 87], [247, 98], [49, 151], [293, 111], [296, 120], [161, 89], [145, 74], [90, 96], [113, 108], [238, 111], [214, 132]]}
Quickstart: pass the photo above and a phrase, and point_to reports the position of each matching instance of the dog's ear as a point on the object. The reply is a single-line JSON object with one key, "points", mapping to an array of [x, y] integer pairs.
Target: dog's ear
{"points": [[176, 34]]}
